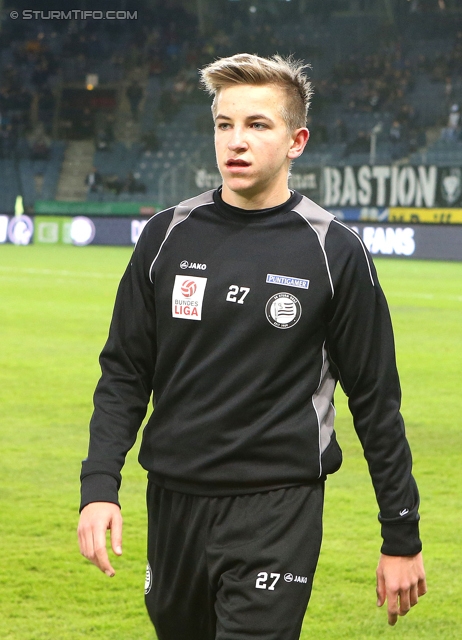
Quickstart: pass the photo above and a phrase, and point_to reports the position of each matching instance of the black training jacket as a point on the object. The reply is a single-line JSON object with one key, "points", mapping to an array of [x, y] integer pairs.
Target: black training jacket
{"points": [[240, 323]]}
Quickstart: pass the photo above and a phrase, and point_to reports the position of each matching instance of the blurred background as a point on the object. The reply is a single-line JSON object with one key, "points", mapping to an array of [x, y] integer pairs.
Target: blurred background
{"points": [[102, 124], [98, 109]]}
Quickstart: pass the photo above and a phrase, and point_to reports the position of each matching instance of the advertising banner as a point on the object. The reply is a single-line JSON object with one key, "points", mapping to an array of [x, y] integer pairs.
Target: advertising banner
{"points": [[16, 229], [391, 186], [52, 230], [59, 208], [413, 194], [427, 216], [371, 214], [79, 231], [3, 228], [416, 215], [305, 180], [425, 242], [382, 238]]}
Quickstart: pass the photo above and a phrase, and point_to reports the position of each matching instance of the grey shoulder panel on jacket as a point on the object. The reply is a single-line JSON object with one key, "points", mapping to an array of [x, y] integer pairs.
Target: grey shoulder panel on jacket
{"points": [[181, 213], [183, 210], [319, 220], [317, 217]]}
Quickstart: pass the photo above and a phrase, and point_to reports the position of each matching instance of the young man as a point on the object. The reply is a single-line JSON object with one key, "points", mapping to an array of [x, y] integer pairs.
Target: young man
{"points": [[240, 310]]}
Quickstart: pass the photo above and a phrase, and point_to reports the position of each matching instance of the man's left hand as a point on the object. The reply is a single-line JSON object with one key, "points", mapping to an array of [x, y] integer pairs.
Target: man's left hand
{"points": [[400, 581]]}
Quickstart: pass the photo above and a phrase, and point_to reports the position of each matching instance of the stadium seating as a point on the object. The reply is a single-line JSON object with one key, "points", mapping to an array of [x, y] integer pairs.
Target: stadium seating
{"points": [[341, 48], [23, 176]]}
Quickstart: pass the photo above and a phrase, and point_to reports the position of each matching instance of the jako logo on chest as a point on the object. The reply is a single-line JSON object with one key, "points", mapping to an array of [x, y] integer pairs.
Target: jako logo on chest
{"points": [[185, 264]]}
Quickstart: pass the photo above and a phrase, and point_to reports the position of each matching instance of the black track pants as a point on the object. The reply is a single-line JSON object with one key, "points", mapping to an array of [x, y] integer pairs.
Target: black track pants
{"points": [[232, 568]]}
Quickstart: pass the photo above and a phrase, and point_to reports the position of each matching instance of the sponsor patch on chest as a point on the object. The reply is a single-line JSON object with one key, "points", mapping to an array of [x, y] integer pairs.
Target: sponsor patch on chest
{"points": [[187, 297], [299, 283]]}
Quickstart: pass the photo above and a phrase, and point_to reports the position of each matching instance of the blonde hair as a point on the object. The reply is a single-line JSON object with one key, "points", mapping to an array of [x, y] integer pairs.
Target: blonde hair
{"points": [[246, 68]]}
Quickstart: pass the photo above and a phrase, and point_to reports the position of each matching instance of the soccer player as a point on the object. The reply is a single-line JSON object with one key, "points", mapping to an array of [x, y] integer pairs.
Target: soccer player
{"points": [[240, 310]]}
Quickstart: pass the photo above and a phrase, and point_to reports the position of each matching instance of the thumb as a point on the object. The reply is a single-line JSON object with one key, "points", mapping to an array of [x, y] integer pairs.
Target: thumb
{"points": [[380, 589], [116, 534]]}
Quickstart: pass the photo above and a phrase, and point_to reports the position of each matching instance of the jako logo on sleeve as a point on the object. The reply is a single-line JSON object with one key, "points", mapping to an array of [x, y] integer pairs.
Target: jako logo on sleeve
{"points": [[187, 297]]}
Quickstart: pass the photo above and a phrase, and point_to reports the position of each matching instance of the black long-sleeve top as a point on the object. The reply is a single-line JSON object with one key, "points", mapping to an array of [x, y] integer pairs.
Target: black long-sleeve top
{"points": [[240, 323]]}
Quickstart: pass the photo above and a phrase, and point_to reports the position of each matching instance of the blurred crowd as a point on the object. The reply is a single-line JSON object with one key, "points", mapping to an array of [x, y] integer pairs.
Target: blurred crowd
{"points": [[168, 45]]}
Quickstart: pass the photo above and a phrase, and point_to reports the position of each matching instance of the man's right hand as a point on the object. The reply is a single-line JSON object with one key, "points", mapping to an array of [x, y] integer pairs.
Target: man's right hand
{"points": [[95, 519]]}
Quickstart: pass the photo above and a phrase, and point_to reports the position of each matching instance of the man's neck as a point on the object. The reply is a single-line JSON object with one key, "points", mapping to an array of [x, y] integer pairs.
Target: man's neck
{"points": [[257, 201]]}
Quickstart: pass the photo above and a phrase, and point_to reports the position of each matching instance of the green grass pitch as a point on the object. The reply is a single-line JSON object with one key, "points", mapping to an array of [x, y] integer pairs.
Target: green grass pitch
{"points": [[55, 309]]}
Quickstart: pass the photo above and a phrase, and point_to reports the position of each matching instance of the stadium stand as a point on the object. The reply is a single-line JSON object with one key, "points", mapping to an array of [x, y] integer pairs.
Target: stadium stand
{"points": [[396, 83]]}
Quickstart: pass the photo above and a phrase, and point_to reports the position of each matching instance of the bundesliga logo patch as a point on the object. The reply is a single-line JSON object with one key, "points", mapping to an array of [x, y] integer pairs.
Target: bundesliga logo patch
{"points": [[187, 297], [283, 310]]}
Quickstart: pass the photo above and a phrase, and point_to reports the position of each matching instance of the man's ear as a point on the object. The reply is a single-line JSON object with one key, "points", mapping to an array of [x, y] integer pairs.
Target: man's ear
{"points": [[299, 139]]}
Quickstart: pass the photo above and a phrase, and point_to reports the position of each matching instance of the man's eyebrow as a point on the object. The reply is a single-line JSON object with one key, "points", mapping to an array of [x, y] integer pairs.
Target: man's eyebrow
{"points": [[259, 116], [256, 116]]}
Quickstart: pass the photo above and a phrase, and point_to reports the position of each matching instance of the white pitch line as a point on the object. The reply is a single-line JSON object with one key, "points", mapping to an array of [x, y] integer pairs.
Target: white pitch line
{"points": [[90, 274], [424, 296], [59, 272]]}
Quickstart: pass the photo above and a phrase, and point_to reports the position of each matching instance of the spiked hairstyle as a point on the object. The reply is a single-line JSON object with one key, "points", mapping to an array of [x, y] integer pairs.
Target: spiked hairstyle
{"points": [[245, 68]]}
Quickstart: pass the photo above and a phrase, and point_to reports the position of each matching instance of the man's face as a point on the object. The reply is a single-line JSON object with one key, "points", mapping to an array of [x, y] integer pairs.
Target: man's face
{"points": [[253, 146]]}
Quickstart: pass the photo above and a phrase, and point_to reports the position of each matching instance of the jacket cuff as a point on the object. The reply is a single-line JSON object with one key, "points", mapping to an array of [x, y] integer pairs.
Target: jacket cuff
{"points": [[99, 487], [401, 539]]}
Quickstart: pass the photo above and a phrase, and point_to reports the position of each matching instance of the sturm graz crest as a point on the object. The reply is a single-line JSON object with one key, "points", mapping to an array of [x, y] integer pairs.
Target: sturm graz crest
{"points": [[283, 310], [451, 184]]}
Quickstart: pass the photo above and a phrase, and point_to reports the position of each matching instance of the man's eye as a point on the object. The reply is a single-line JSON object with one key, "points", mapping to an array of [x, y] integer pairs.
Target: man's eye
{"points": [[223, 126], [259, 126]]}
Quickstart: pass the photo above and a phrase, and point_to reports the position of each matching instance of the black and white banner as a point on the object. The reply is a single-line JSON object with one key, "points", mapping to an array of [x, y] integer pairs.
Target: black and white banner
{"points": [[391, 186], [304, 180], [381, 186]]}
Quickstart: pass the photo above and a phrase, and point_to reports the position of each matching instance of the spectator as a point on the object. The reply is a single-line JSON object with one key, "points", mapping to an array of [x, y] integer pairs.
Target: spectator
{"points": [[395, 131], [169, 105], [132, 185], [101, 140], [94, 181], [46, 105], [134, 94], [109, 129], [454, 117], [399, 139], [451, 131], [319, 134], [114, 184], [40, 144], [150, 141], [361, 144], [417, 139], [7, 141], [448, 89], [86, 124], [339, 131]]}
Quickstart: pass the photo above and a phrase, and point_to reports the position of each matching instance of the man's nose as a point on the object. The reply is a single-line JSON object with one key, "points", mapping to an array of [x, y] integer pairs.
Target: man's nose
{"points": [[237, 140]]}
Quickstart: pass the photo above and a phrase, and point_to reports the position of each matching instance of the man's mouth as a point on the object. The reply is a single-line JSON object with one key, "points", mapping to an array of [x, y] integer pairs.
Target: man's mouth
{"points": [[235, 162]]}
